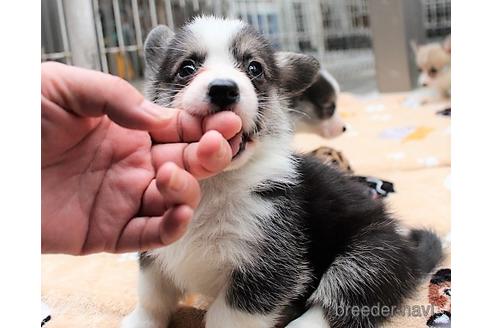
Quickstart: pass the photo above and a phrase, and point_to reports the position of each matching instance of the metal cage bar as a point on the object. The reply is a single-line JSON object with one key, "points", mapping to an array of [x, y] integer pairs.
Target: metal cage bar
{"points": [[119, 30], [153, 12], [100, 37], [136, 22], [64, 33], [169, 14]]}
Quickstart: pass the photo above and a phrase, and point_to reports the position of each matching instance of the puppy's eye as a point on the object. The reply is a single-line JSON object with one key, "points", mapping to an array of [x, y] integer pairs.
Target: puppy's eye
{"points": [[255, 69], [433, 71], [329, 110], [187, 68]]}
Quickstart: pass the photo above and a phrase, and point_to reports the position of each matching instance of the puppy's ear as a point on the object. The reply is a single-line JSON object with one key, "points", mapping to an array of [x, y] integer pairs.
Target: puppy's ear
{"points": [[297, 72], [446, 44], [154, 47]]}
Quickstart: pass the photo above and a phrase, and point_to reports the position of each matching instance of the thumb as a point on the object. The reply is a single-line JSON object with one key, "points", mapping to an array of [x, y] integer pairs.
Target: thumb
{"points": [[89, 93]]}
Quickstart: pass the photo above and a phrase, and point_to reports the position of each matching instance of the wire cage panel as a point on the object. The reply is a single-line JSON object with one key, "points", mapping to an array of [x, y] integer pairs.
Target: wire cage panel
{"points": [[337, 32]]}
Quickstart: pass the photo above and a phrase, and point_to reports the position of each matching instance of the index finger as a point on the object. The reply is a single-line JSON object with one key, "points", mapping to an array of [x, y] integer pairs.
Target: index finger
{"points": [[89, 93], [186, 128]]}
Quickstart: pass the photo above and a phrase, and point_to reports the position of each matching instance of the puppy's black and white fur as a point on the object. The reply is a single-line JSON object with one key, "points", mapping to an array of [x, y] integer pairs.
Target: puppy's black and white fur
{"points": [[278, 239]]}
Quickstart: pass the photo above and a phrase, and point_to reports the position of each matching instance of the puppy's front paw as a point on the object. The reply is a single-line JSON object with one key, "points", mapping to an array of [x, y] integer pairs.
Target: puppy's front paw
{"points": [[139, 319]]}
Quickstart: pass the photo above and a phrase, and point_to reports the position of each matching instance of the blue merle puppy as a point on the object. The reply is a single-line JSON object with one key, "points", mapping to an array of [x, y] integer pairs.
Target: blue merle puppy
{"points": [[278, 240]]}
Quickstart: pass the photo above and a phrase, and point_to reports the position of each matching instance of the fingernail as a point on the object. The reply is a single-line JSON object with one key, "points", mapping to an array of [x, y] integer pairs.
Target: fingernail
{"points": [[187, 211], [177, 182], [156, 111]]}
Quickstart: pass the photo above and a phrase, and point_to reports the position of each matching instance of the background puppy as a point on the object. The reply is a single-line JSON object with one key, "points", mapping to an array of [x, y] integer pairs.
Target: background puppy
{"points": [[315, 110], [278, 239], [434, 63]]}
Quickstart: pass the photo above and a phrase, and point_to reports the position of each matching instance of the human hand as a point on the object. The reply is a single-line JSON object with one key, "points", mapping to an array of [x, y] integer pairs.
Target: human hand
{"points": [[104, 187]]}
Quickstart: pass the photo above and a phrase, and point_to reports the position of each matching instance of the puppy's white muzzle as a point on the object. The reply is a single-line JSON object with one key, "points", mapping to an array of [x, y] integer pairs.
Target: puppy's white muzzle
{"points": [[196, 100]]}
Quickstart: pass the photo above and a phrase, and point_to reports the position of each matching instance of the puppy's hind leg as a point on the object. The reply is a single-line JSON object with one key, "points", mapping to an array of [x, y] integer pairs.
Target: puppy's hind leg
{"points": [[222, 314], [158, 299], [312, 318], [377, 271]]}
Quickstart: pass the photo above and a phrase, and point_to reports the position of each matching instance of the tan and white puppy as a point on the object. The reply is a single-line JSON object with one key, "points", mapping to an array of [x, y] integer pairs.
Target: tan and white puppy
{"points": [[434, 63]]}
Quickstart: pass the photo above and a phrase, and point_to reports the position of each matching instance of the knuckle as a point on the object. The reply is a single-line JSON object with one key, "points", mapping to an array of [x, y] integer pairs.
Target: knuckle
{"points": [[48, 66], [49, 71], [119, 84]]}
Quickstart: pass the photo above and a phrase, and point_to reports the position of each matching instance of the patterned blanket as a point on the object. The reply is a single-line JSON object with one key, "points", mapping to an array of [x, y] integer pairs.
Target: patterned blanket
{"points": [[386, 138]]}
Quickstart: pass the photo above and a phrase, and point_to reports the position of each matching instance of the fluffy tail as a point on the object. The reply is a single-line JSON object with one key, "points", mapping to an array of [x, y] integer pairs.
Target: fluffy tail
{"points": [[429, 248]]}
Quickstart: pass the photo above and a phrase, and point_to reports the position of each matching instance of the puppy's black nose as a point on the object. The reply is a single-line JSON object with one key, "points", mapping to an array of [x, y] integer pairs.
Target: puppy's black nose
{"points": [[344, 128], [223, 93]]}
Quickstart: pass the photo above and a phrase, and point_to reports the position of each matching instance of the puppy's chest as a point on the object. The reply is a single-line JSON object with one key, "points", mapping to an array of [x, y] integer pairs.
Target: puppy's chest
{"points": [[223, 235]]}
